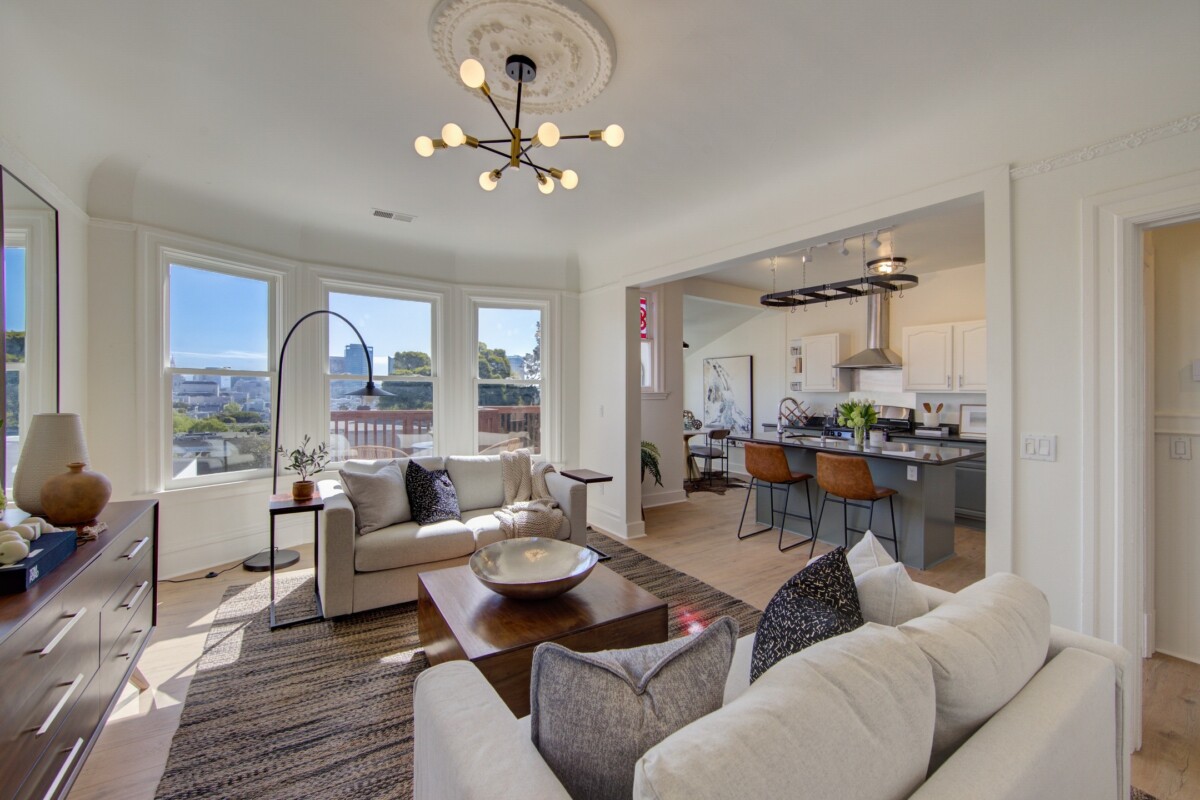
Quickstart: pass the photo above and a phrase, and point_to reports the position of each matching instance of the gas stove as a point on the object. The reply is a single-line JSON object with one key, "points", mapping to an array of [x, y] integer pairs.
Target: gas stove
{"points": [[892, 419]]}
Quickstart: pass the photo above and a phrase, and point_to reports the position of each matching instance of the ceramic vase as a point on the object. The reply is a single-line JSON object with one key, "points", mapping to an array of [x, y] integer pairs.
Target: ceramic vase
{"points": [[52, 441], [75, 497]]}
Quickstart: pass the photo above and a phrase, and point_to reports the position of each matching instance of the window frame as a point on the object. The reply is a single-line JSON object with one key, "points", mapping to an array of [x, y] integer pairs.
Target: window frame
{"points": [[654, 337], [159, 252], [550, 440], [379, 287]]}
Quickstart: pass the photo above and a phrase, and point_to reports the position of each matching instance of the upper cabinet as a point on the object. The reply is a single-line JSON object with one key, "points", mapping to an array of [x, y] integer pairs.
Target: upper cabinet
{"points": [[945, 358], [812, 359]]}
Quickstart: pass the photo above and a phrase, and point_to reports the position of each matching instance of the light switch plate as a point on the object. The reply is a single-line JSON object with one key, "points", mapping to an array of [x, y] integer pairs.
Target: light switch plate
{"points": [[1039, 446], [1181, 448]]}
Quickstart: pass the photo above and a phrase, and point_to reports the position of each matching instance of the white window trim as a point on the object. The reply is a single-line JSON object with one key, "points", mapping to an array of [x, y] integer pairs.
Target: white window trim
{"points": [[373, 285], [35, 230], [550, 383], [654, 336], [156, 252]]}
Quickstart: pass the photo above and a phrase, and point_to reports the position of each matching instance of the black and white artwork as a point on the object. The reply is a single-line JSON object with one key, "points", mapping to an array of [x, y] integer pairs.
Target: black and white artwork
{"points": [[729, 394]]}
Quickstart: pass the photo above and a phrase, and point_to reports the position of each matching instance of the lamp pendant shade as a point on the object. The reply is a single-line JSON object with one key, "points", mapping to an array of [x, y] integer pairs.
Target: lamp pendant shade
{"points": [[53, 441]]}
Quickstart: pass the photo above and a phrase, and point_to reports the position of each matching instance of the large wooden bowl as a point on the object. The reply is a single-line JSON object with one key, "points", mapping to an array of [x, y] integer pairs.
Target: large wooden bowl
{"points": [[532, 568]]}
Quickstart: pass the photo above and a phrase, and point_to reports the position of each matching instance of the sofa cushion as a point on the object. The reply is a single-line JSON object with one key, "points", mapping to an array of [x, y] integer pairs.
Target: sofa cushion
{"points": [[374, 465], [593, 715], [431, 494], [848, 717], [408, 544], [477, 481], [888, 596], [816, 603], [379, 498], [984, 645], [484, 526]]}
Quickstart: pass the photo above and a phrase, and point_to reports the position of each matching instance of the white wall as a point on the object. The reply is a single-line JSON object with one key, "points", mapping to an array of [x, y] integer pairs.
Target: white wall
{"points": [[662, 412], [1176, 326]]}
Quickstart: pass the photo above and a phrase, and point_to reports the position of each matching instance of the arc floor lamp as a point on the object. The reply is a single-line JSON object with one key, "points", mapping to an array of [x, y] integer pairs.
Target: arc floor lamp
{"points": [[261, 562]]}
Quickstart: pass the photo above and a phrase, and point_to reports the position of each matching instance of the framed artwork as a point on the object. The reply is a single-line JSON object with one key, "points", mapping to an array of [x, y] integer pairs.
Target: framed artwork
{"points": [[972, 420], [729, 393]]}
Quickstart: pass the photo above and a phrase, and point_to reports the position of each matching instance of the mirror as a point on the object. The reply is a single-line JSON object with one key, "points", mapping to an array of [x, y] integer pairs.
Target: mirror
{"points": [[29, 313]]}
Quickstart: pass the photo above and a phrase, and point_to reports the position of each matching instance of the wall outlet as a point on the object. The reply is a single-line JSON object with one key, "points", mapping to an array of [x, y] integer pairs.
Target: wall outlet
{"points": [[1039, 446], [1181, 448], [912, 472]]}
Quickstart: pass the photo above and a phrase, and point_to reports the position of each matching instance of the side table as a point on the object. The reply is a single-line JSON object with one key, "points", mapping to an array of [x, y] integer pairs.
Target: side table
{"points": [[587, 476], [284, 504]]}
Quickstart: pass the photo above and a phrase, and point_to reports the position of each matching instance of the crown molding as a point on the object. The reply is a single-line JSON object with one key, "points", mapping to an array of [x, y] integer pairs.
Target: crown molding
{"points": [[1129, 141]]}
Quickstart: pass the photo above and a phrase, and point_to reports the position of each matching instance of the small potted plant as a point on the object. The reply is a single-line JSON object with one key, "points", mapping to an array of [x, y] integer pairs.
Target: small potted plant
{"points": [[858, 415], [650, 458], [305, 462]]}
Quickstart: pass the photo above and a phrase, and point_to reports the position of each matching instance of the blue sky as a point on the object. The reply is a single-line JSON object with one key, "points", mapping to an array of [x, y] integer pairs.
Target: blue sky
{"points": [[219, 320], [14, 285]]}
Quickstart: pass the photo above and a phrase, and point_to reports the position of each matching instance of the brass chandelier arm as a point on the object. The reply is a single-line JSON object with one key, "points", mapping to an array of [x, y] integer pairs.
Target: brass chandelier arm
{"points": [[499, 113]]}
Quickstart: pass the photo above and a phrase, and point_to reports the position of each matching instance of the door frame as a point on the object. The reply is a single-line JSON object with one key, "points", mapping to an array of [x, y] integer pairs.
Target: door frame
{"points": [[1117, 440]]}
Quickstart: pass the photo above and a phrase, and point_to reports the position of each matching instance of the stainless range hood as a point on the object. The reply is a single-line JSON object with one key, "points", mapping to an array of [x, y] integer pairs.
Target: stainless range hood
{"points": [[877, 355]]}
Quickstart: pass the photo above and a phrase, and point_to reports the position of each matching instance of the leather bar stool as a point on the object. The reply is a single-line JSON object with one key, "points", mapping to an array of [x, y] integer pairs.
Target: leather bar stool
{"points": [[767, 463], [847, 479]]}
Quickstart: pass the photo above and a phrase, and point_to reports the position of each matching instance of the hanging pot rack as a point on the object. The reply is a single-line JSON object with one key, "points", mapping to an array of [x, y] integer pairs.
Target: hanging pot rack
{"points": [[842, 290]]}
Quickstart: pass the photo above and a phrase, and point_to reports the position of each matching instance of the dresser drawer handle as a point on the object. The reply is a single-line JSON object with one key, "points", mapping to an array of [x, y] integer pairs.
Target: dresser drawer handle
{"points": [[62, 701], [140, 544], [48, 649], [63, 770], [137, 595]]}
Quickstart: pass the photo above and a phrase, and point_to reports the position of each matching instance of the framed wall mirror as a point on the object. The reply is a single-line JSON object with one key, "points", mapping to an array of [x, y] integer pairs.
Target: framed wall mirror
{"points": [[29, 313]]}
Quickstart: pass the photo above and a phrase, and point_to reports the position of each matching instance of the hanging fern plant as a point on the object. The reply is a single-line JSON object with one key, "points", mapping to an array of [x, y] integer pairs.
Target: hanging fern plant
{"points": [[650, 458]]}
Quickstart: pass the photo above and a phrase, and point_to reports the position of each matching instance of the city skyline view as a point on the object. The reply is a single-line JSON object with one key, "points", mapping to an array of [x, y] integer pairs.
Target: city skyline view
{"points": [[219, 321]]}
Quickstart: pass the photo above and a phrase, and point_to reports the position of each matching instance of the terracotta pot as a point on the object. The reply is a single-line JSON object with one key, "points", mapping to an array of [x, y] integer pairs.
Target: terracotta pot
{"points": [[304, 490], [75, 497]]}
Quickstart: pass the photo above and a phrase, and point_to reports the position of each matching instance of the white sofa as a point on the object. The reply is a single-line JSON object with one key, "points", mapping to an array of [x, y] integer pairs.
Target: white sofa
{"points": [[380, 568], [863, 729]]}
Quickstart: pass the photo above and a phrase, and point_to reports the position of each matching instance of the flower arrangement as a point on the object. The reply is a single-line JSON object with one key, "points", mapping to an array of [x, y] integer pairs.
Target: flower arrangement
{"points": [[304, 461], [857, 415]]}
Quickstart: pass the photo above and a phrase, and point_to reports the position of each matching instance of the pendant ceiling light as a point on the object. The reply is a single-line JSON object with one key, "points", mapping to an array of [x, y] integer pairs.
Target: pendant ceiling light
{"points": [[887, 266], [517, 150]]}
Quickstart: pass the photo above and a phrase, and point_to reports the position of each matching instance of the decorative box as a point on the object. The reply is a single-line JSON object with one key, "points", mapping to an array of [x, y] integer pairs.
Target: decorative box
{"points": [[45, 553]]}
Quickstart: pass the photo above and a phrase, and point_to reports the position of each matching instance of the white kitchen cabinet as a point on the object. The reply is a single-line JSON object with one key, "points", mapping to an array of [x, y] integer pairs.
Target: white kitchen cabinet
{"points": [[812, 359], [951, 357]]}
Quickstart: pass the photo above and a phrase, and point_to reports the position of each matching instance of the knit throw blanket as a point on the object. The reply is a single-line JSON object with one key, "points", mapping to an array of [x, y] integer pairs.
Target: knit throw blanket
{"points": [[528, 508]]}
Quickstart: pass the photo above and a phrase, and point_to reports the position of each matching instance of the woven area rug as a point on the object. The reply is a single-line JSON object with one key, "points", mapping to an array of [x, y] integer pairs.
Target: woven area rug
{"points": [[325, 710]]}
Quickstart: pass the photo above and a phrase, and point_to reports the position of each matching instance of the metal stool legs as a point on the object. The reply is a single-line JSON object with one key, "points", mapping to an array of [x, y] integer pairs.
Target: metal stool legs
{"points": [[870, 506], [783, 515]]}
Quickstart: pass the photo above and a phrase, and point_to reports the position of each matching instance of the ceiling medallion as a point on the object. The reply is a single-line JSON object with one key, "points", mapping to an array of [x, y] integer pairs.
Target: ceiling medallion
{"points": [[564, 37]]}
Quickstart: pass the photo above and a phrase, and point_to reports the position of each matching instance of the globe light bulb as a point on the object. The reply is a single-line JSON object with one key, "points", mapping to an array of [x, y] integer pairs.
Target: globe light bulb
{"points": [[487, 181], [569, 179], [613, 135], [471, 73], [885, 268], [424, 146], [548, 134], [545, 185], [453, 135]]}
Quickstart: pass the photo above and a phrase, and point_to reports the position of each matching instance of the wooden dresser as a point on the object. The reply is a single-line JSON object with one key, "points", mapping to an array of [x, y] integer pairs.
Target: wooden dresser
{"points": [[67, 647]]}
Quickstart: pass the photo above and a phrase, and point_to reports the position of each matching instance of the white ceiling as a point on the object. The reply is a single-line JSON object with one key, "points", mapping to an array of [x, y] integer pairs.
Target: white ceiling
{"points": [[304, 111]]}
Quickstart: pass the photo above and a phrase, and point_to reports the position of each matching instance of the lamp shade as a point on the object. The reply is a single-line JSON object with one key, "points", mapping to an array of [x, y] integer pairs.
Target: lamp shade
{"points": [[53, 441]]}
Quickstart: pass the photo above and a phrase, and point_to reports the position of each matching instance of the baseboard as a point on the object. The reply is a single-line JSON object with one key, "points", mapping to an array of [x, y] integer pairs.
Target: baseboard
{"points": [[606, 522], [663, 499]]}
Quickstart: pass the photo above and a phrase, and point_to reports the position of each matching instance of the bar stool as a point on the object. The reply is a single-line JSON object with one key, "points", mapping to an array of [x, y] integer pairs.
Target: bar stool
{"points": [[767, 463], [715, 448], [846, 479]]}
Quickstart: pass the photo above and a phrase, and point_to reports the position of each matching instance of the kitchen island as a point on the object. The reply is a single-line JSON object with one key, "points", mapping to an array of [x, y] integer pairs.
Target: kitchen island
{"points": [[924, 503]]}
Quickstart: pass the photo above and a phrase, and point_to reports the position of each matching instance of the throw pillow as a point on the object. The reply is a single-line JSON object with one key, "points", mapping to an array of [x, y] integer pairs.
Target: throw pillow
{"points": [[431, 495], [888, 596], [817, 603], [867, 554], [593, 715], [379, 498]]}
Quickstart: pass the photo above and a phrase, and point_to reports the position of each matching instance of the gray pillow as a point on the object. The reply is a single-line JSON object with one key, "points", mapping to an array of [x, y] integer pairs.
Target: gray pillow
{"points": [[379, 498], [593, 715]]}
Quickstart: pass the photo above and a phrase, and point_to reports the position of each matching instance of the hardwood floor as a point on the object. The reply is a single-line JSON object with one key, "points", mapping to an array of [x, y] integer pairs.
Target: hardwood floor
{"points": [[696, 537]]}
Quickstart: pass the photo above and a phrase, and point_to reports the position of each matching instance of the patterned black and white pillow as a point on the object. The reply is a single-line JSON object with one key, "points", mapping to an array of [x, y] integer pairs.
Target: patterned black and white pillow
{"points": [[431, 495], [817, 603]]}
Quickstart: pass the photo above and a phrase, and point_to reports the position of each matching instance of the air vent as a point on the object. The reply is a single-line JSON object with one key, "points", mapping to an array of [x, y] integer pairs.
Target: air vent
{"points": [[399, 216]]}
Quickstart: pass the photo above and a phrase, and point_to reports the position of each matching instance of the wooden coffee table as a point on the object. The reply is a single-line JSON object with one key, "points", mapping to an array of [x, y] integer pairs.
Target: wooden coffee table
{"points": [[460, 618]]}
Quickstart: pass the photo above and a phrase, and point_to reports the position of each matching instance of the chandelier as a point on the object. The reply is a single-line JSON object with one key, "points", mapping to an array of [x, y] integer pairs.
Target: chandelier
{"points": [[515, 149]]}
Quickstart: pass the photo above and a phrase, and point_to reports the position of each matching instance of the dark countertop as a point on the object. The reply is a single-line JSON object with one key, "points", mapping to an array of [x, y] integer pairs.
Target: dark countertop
{"points": [[931, 454], [810, 430]]}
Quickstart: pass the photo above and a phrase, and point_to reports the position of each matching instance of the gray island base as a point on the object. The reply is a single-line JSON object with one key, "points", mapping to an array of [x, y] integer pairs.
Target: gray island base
{"points": [[924, 505]]}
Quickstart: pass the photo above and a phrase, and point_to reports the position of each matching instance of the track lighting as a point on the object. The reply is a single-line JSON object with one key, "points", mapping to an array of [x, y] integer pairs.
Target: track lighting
{"points": [[844, 251]]}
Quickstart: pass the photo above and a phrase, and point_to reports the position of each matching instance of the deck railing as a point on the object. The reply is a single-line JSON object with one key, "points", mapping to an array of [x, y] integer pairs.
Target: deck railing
{"points": [[399, 428]]}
